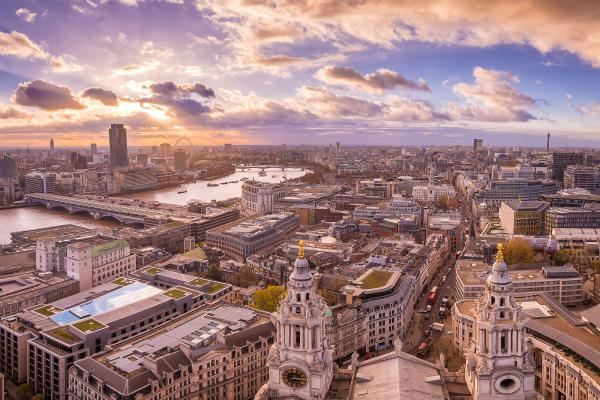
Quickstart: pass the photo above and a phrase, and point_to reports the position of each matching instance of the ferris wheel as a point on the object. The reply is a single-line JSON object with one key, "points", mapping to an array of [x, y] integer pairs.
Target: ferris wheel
{"points": [[184, 143]]}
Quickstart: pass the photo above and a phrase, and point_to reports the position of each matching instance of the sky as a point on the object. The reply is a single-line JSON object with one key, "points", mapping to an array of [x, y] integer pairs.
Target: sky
{"points": [[385, 72]]}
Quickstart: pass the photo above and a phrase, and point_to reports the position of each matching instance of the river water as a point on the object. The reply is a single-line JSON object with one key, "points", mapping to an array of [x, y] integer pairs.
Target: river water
{"points": [[22, 219]]}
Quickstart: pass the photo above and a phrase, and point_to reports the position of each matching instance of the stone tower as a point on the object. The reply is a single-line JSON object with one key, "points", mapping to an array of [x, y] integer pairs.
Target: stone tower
{"points": [[499, 366], [300, 360]]}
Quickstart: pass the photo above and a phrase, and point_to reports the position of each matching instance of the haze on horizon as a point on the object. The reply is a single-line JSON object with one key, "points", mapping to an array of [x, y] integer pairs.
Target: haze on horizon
{"points": [[311, 72]]}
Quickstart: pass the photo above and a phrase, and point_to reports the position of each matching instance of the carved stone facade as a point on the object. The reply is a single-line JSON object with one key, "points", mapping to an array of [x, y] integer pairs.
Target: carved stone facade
{"points": [[301, 360]]}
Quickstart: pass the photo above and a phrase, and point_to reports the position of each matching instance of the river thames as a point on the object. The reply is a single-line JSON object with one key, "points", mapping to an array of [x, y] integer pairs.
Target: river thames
{"points": [[22, 219]]}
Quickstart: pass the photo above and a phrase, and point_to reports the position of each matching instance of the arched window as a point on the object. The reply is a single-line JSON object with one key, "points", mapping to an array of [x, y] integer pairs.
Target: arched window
{"points": [[492, 300], [502, 301]]}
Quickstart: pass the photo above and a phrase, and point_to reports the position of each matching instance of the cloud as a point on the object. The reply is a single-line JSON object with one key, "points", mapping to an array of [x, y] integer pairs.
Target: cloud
{"points": [[19, 45], [278, 60], [105, 96], [171, 89], [444, 22], [330, 105], [492, 97], [136, 69], [46, 95], [378, 82], [26, 14], [592, 108], [9, 112], [65, 63]]}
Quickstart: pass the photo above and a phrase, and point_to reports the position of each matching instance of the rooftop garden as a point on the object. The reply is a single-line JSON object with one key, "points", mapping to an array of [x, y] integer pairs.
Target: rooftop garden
{"points": [[88, 325], [64, 334], [215, 287], [153, 270], [123, 281], [375, 279], [196, 253], [199, 282], [173, 224], [176, 293], [48, 310]]}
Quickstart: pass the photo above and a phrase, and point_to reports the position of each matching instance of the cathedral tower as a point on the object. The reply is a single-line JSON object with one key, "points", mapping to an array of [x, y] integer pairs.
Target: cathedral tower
{"points": [[499, 366], [300, 360]]}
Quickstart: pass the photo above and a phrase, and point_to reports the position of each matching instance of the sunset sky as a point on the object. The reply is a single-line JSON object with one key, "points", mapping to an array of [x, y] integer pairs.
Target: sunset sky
{"points": [[300, 71]]}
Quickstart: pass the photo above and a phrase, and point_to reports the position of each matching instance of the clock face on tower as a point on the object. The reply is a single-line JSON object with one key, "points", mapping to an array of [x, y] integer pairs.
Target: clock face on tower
{"points": [[294, 377]]}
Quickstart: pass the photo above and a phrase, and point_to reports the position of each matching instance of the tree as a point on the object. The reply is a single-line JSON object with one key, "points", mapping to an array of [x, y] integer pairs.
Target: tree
{"points": [[244, 277], [443, 202], [268, 299], [564, 256], [214, 273], [38, 396], [518, 250], [23, 392]]}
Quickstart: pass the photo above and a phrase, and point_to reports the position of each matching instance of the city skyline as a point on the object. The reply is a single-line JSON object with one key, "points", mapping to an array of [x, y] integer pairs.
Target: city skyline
{"points": [[442, 72]]}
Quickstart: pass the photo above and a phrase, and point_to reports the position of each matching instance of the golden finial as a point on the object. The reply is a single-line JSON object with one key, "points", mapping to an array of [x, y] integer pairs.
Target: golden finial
{"points": [[301, 249], [500, 255]]}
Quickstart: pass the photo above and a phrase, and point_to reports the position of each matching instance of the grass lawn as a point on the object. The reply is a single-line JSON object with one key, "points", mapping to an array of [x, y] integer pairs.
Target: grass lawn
{"points": [[64, 334], [196, 253], [175, 293], [88, 325], [123, 281], [376, 279], [199, 282], [48, 310], [215, 287], [153, 270]]}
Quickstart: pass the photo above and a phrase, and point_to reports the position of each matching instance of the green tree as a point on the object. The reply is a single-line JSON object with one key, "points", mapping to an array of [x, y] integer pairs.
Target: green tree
{"points": [[23, 392], [214, 273], [518, 250], [268, 299], [564, 256]]}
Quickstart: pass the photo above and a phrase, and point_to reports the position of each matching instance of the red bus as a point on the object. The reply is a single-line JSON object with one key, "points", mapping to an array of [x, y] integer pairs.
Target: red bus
{"points": [[432, 295]]}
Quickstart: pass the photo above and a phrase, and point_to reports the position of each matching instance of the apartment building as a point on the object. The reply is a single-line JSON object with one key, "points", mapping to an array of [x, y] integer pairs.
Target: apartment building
{"points": [[99, 260], [219, 354], [522, 217], [580, 176], [40, 182], [43, 342], [253, 234]]}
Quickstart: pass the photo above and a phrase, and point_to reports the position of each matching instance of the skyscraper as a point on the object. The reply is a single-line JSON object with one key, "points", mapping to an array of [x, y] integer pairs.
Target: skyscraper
{"points": [[180, 160], [94, 148], [477, 145], [165, 150], [8, 173], [337, 146], [117, 136], [51, 144], [548, 143]]}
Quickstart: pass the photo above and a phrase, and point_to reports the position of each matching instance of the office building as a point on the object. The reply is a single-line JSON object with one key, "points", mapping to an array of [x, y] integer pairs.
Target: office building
{"points": [[564, 283], [581, 176], [227, 147], [8, 174], [560, 161], [522, 217], [40, 182], [94, 148], [258, 197], [477, 145], [252, 235], [219, 354], [165, 150], [135, 179], [180, 160], [513, 189], [117, 136], [99, 260], [44, 342], [78, 161], [51, 144], [450, 224], [587, 216]]}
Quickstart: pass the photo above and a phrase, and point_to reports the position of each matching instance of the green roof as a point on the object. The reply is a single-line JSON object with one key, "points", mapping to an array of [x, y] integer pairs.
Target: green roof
{"points": [[64, 334], [152, 270], [375, 279], [173, 224], [176, 293], [215, 287], [48, 310], [123, 281], [89, 325], [108, 247], [199, 282], [196, 253]]}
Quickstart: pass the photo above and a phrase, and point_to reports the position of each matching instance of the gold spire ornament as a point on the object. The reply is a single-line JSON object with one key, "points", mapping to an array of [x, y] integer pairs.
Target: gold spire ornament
{"points": [[301, 249], [500, 254]]}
